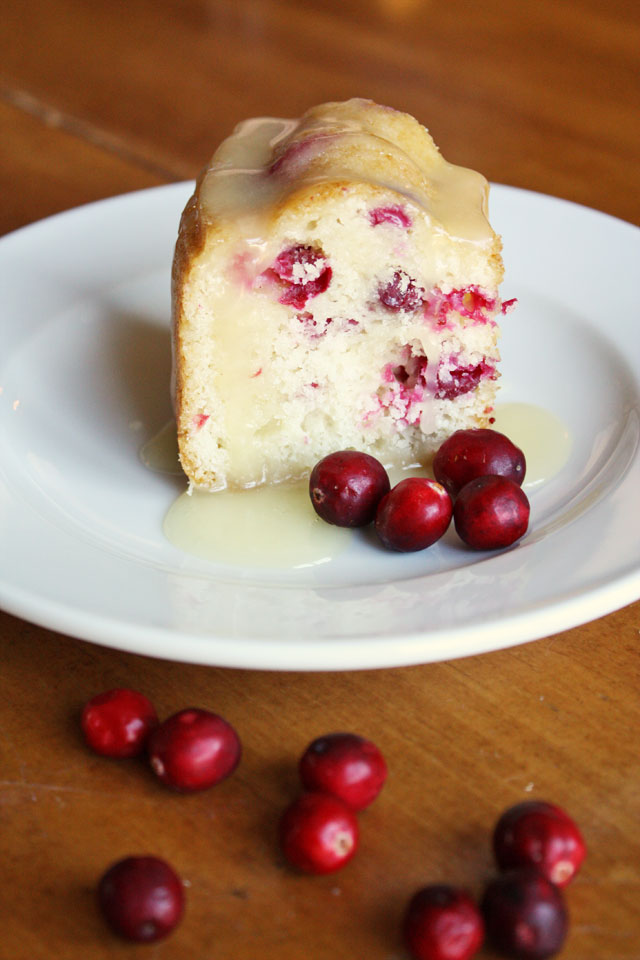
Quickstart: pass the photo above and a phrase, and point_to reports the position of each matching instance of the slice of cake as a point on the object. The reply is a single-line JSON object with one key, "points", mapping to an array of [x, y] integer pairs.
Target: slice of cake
{"points": [[335, 285]]}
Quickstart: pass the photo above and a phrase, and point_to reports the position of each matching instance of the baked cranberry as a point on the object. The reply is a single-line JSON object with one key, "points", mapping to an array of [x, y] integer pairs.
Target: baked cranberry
{"points": [[318, 833], [305, 273], [525, 915], [141, 898], [468, 454], [443, 923], [346, 487], [117, 723], [541, 835], [401, 293], [345, 765], [194, 749], [454, 381], [413, 515], [491, 513], [394, 214]]}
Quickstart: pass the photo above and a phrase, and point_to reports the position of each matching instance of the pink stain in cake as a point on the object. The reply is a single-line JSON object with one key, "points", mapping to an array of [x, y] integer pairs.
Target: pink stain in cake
{"points": [[393, 214], [256, 374], [304, 273], [454, 379], [387, 373], [470, 302], [437, 308], [508, 305], [314, 328], [401, 293], [199, 420], [407, 387], [238, 270]]}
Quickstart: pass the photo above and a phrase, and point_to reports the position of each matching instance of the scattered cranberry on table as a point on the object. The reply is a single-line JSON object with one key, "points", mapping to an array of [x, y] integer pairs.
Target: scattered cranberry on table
{"points": [[193, 750], [346, 487], [117, 723], [539, 834], [443, 923], [525, 915], [414, 515], [491, 513], [318, 833], [141, 898], [345, 765], [468, 454]]}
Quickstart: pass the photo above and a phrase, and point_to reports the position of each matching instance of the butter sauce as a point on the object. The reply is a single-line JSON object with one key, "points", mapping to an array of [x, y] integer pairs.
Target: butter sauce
{"points": [[543, 437], [160, 453], [272, 526]]}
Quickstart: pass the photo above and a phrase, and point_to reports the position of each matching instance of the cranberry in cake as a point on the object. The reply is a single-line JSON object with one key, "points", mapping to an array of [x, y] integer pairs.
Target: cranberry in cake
{"points": [[335, 286]]}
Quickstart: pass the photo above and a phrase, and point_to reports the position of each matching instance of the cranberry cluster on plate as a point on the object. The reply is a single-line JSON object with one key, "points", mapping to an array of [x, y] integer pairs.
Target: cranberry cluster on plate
{"points": [[478, 477]]}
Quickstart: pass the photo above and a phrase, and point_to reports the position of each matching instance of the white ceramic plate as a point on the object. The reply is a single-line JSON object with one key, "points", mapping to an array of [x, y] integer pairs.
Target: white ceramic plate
{"points": [[84, 370]]}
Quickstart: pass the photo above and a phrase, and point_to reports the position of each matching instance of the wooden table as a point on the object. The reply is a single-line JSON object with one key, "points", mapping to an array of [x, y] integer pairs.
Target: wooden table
{"points": [[98, 99]]}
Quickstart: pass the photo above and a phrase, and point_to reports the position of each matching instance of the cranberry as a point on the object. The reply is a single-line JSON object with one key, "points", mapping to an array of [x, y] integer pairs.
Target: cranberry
{"points": [[525, 915], [345, 765], [401, 293], [299, 154], [193, 750], [468, 454], [393, 214], [442, 923], [305, 273], [541, 835], [318, 833], [141, 898], [413, 515], [453, 382], [346, 487], [117, 723], [490, 513]]}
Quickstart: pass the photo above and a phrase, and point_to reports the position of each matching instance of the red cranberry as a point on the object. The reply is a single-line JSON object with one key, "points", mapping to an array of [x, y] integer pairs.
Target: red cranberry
{"points": [[442, 923], [490, 513], [541, 835], [305, 272], [413, 515], [525, 915], [401, 293], [454, 382], [318, 833], [393, 214], [346, 487], [141, 898], [468, 454], [193, 750], [345, 765], [117, 723]]}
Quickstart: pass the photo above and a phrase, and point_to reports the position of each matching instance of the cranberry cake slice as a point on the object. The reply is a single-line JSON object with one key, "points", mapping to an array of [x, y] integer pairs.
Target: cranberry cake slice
{"points": [[335, 285]]}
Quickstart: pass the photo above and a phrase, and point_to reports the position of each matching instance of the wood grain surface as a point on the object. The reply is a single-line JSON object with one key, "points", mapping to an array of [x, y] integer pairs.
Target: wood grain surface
{"points": [[97, 99]]}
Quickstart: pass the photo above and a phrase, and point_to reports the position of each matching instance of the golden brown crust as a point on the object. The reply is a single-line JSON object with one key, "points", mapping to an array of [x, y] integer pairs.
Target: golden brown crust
{"points": [[190, 242]]}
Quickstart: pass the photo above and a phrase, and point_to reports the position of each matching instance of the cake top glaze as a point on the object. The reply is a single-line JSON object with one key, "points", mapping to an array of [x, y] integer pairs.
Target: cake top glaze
{"points": [[266, 159]]}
